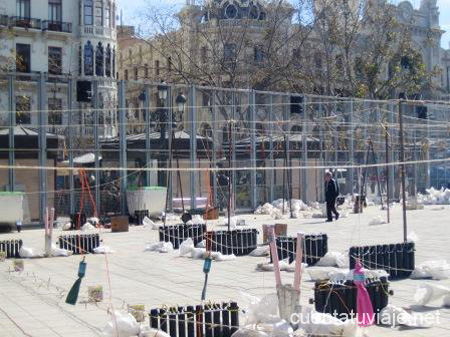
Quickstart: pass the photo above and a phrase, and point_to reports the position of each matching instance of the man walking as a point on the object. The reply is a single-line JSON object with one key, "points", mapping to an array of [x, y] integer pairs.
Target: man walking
{"points": [[331, 193]]}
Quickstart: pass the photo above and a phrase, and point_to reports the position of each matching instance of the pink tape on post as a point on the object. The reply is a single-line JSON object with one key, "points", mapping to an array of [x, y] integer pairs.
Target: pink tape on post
{"points": [[273, 250], [298, 262]]}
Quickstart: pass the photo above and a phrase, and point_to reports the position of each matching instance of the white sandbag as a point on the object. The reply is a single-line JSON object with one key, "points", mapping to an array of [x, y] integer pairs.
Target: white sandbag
{"points": [[412, 237], [87, 227], [249, 331], [198, 253], [437, 270], [260, 251], [28, 253], [427, 293], [121, 325], [319, 274], [146, 331], [186, 247], [319, 324], [94, 221], [67, 226], [222, 257], [149, 224], [201, 244], [394, 316], [258, 310], [103, 250], [330, 259], [378, 220], [162, 247], [59, 252]]}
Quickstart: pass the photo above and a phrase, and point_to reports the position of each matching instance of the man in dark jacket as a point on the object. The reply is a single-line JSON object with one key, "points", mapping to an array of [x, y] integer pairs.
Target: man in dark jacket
{"points": [[331, 193]]}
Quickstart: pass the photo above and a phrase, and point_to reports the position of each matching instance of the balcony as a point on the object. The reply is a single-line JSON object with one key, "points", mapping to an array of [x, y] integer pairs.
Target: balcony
{"points": [[27, 23], [57, 26], [100, 31]]}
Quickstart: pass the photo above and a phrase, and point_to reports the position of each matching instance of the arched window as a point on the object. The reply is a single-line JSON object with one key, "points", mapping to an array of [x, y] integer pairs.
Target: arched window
{"points": [[108, 15], [99, 60], [108, 61], [88, 59], [205, 130], [225, 134]]}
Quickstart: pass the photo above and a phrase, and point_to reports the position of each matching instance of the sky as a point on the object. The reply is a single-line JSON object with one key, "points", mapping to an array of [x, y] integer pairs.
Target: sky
{"points": [[131, 10]]}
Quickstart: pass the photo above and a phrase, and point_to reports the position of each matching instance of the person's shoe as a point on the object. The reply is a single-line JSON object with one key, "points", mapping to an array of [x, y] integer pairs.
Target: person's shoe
{"points": [[329, 221], [337, 216]]}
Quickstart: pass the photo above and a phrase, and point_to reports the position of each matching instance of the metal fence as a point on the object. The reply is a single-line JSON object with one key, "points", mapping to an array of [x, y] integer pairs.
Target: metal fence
{"points": [[277, 144]]}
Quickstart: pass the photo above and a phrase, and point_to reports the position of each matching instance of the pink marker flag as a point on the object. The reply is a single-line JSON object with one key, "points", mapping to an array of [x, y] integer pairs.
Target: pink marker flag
{"points": [[364, 307]]}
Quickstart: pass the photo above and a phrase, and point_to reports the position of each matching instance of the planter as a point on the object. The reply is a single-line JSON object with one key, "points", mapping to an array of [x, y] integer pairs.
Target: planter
{"points": [[397, 259], [221, 319], [150, 198], [315, 246], [179, 233], [339, 298], [239, 242], [79, 244]]}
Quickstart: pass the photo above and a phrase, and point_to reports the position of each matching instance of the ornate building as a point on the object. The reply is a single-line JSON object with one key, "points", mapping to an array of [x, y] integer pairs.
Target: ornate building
{"points": [[59, 38]]}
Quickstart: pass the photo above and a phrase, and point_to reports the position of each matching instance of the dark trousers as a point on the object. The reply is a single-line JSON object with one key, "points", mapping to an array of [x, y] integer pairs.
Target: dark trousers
{"points": [[331, 209]]}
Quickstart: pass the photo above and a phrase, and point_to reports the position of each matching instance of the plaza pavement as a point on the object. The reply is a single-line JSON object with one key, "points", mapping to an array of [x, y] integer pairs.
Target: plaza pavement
{"points": [[32, 302]]}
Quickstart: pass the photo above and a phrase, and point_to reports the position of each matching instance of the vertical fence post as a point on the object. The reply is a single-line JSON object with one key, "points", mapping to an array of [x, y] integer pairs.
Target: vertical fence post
{"points": [[392, 152], [233, 154], [271, 158], [350, 134], [287, 130], [253, 187], [96, 101], [215, 143], [123, 147], [42, 119], [305, 150], [71, 147], [12, 125], [169, 110], [193, 145], [148, 156]]}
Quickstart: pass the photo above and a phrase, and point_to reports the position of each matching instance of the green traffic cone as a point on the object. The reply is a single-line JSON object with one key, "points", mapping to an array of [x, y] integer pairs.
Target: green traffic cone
{"points": [[72, 296]]}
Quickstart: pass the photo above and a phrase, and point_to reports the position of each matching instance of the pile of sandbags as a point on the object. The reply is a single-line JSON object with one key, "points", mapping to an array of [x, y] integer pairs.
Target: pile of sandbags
{"points": [[435, 197]]}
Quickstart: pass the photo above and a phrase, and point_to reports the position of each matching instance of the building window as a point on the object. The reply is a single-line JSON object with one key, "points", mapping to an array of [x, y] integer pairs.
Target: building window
{"points": [[126, 74], [114, 61], [318, 61], [54, 60], [23, 58], [88, 59], [136, 73], [113, 16], [157, 69], [23, 8], [108, 16], [23, 108], [99, 60], [108, 61], [88, 13], [54, 111], [146, 75], [230, 52], [55, 10], [258, 54], [169, 64], [98, 13]]}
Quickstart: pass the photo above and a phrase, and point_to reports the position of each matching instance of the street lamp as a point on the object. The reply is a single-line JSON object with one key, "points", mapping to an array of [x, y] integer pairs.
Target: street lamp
{"points": [[162, 91], [181, 105]]}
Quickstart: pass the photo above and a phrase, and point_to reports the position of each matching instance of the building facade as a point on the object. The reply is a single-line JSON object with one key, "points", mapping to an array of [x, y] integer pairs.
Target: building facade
{"points": [[61, 39]]}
